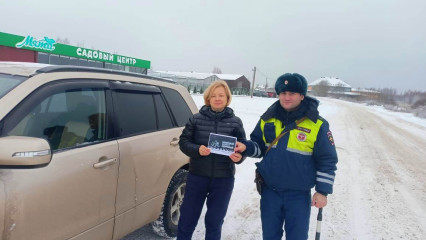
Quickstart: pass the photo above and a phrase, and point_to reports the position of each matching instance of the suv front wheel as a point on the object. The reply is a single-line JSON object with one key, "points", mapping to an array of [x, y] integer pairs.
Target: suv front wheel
{"points": [[166, 225]]}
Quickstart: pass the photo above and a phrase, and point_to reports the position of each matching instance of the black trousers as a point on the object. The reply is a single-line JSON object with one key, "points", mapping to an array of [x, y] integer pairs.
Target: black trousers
{"points": [[218, 192]]}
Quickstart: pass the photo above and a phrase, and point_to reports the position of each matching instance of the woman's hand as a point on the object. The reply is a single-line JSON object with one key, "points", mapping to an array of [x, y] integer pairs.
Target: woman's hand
{"points": [[204, 151], [235, 157], [240, 147]]}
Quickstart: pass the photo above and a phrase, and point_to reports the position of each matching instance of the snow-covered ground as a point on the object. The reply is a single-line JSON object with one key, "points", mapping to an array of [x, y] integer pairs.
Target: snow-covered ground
{"points": [[379, 191]]}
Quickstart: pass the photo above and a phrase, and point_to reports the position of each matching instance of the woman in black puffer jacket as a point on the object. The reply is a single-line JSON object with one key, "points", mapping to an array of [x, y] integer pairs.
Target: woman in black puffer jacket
{"points": [[210, 175]]}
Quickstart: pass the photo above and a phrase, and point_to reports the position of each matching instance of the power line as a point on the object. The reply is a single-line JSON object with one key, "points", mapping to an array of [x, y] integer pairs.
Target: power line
{"points": [[262, 73], [266, 76]]}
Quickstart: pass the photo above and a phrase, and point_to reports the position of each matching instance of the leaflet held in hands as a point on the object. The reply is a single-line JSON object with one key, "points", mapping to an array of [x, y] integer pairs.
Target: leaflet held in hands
{"points": [[222, 144]]}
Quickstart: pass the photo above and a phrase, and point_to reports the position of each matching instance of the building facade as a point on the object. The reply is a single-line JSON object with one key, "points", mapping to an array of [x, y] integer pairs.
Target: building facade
{"points": [[238, 84], [46, 50]]}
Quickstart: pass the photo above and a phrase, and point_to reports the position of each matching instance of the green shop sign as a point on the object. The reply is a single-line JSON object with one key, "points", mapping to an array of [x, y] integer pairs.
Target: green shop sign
{"points": [[49, 45]]}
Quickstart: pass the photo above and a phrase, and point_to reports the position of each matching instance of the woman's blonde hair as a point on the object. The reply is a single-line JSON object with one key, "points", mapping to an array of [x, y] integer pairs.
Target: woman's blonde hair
{"points": [[212, 87]]}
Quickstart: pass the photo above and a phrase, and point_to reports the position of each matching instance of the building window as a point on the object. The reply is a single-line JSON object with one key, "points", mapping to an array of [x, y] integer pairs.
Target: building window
{"points": [[99, 64], [82, 62], [64, 60], [43, 57], [91, 63], [114, 66], [74, 61], [54, 59]]}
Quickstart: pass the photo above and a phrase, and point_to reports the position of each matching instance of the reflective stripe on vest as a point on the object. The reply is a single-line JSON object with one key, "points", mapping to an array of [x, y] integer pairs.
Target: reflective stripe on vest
{"points": [[301, 140]]}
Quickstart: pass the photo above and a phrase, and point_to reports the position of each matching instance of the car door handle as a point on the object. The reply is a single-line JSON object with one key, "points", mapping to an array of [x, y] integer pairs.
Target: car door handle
{"points": [[174, 142], [105, 163]]}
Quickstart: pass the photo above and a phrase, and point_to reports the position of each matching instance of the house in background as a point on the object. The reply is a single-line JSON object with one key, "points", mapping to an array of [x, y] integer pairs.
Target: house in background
{"points": [[335, 87], [238, 84], [330, 84], [366, 94]]}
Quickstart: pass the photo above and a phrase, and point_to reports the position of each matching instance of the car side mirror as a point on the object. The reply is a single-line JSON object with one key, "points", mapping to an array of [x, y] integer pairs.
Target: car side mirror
{"points": [[24, 152]]}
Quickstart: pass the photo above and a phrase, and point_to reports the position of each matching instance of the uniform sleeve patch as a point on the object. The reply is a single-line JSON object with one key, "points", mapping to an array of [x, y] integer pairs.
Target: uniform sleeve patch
{"points": [[330, 138]]}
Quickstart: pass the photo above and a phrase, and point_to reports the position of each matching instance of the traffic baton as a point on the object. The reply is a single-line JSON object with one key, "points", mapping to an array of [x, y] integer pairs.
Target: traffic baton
{"points": [[319, 220]]}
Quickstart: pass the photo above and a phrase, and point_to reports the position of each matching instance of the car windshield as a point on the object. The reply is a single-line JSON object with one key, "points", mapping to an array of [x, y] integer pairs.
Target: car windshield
{"points": [[9, 82]]}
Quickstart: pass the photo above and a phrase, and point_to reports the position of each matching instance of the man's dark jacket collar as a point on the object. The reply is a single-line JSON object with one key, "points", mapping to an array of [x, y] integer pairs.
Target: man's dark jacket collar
{"points": [[307, 108]]}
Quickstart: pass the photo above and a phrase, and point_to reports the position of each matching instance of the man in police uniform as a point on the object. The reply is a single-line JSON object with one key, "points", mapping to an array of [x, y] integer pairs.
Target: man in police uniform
{"points": [[298, 153]]}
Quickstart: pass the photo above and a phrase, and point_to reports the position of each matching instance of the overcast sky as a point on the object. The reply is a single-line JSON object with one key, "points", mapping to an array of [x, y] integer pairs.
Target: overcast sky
{"points": [[367, 43]]}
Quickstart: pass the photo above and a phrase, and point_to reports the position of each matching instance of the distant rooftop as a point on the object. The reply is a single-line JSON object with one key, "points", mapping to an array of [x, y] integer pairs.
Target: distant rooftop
{"points": [[195, 75], [334, 82]]}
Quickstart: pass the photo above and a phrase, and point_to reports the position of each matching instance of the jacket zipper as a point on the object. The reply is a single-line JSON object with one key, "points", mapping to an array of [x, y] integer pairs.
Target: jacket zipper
{"points": [[215, 130]]}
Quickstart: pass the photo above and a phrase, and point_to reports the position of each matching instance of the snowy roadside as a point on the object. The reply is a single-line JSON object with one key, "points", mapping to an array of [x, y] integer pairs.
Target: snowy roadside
{"points": [[379, 190]]}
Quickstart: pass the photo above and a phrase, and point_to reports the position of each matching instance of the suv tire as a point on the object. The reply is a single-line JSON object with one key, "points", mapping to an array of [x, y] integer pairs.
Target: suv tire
{"points": [[167, 224]]}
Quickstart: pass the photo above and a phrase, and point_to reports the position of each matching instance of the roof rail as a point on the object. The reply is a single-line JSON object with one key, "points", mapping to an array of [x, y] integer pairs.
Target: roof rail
{"points": [[70, 68]]}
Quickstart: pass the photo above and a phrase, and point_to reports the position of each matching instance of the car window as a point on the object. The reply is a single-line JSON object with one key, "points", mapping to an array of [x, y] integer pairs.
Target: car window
{"points": [[140, 109], [8, 82], [164, 120], [65, 118], [135, 112], [180, 109]]}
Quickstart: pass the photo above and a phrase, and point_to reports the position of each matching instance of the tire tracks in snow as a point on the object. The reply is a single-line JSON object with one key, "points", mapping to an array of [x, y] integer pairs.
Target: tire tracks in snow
{"points": [[380, 178]]}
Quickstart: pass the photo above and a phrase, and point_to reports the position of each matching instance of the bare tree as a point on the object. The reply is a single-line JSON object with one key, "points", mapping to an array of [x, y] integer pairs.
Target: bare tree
{"points": [[410, 97], [63, 41], [217, 70], [419, 103], [322, 88], [387, 96]]}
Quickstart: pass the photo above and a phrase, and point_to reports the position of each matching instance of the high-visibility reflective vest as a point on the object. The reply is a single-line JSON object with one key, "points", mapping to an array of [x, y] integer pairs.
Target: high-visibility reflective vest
{"points": [[301, 139]]}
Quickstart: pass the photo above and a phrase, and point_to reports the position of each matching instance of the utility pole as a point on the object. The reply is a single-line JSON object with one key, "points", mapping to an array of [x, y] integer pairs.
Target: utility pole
{"points": [[252, 84]]}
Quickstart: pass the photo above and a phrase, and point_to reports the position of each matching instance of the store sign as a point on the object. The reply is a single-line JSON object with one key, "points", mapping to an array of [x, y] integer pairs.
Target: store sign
{"points": [[44, 44], [49, 45], [104, 56], [95, 55]]}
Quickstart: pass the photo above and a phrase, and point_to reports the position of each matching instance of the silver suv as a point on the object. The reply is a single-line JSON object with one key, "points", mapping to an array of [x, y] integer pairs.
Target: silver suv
{"points": [[89, 153]]}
